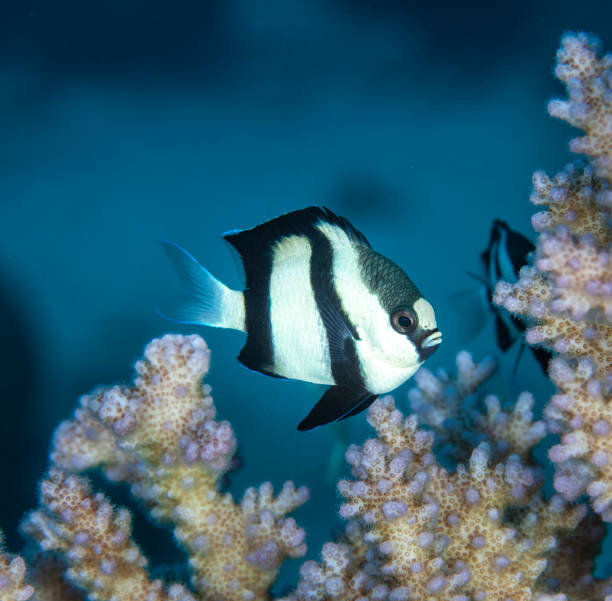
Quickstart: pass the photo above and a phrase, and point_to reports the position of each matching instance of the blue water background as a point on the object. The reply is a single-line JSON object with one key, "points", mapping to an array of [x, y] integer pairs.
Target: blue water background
{"points": [[124, 122]]}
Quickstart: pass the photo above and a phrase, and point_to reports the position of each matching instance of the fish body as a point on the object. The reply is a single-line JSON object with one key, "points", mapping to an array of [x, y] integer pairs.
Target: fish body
{"points": [[503, 258], [319, 305]]}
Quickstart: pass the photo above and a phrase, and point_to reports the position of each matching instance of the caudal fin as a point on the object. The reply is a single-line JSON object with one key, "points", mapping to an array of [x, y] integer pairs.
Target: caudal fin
{"points": [[205, 300]]}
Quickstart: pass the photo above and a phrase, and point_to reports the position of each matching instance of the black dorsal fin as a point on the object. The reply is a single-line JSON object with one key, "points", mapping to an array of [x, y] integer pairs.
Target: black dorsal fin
{"points": [[254, 242]]}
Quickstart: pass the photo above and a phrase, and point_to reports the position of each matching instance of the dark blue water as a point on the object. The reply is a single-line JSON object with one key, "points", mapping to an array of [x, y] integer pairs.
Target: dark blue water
{"points": [[124, 122]]}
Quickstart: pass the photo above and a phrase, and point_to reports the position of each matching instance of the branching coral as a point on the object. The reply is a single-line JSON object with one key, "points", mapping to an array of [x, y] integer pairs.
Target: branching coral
{"points": [[588, 83], [415, 530], [568, 291], [97, 541], [161, 436], [418, 531], [444, 534], [485, 532], [47, 573], [449, 406]]}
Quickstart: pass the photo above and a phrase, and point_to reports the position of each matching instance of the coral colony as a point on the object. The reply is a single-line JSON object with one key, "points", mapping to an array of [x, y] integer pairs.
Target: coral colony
{"points": [[478, 528]]}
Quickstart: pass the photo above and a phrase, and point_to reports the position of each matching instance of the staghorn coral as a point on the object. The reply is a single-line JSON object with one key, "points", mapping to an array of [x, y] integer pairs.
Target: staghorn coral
{"points": [[588, 82], [161, 437], [449, 406], [417, 531], [480, 531], [568, 291], [401, 497], [97, 541], [438, 398]]}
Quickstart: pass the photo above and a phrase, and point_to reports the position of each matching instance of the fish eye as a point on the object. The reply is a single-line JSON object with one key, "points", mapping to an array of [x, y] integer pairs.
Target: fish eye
{"points": [[403, 321]]}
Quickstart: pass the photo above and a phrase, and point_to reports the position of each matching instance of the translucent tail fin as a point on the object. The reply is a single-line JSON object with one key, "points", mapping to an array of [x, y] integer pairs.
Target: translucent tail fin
{"points": [[205, 300]]}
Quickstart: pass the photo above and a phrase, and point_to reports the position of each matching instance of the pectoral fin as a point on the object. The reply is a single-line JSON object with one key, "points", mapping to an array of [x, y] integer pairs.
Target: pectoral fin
{"points": [[337, 403]]}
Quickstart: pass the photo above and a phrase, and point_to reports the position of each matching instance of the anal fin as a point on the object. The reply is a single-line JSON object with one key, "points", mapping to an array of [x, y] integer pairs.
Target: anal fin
{"points": [[338, 402], [361, 406]]}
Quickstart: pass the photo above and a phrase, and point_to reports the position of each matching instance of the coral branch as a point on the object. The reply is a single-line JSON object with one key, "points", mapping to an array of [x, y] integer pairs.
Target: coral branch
{"points": [[418, 532], [568, 291], [444, 534], [161, 436], [589, 107], [451, 407], [97, 542]]}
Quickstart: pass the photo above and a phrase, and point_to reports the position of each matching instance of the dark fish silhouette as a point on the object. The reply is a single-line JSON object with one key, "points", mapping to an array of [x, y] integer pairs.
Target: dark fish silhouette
{"points": [[503, 258]]}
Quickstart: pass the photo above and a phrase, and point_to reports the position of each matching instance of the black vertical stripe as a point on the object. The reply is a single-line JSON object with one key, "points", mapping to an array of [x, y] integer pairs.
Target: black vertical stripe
{"points": [[345, 365], [258, 351]]}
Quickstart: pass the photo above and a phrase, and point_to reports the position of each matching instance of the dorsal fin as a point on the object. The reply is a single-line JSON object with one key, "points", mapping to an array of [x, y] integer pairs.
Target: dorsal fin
{"points": [[251, 243]]}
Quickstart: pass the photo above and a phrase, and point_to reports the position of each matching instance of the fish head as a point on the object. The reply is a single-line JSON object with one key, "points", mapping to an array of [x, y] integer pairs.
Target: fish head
{"points": [[416, 323], [394, 343], [402, 325]]}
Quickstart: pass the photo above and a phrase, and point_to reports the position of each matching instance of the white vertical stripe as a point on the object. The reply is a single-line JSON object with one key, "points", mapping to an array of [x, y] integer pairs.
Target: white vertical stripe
{"points": [[232, 309], [387, 358], [299, 338]]}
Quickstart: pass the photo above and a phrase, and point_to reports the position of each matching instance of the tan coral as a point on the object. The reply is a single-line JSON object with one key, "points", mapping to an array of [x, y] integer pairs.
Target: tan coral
{"points": [[85, 442], [438, 397], [481, 532], [589, 106], [339, 575], [513, 431], [571, 199], [97, 541], [582, 412], [445, 404], [161, 436], [567, 295], [581, 275], [532, 296]]}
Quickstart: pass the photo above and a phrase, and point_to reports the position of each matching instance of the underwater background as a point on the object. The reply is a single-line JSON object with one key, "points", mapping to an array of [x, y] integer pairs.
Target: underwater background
{"points": [[124, 122]]}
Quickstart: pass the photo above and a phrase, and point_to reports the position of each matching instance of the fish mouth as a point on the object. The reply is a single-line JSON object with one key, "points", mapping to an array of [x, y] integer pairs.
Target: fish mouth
{"points": [[429, 344]]}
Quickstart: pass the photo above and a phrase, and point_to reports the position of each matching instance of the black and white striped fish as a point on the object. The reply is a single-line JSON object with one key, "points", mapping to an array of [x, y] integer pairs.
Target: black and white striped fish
{"points": [[319, 305]]}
